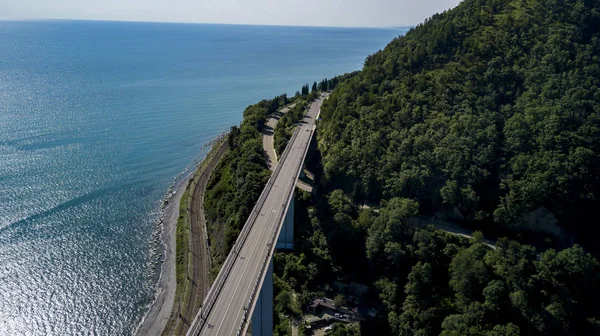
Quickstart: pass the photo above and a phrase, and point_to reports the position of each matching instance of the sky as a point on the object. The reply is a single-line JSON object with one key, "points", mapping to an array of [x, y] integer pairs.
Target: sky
{"points": [[353, 13]]}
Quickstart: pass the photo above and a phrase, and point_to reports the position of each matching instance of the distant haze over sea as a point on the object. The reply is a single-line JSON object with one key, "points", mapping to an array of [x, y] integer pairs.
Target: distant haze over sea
{"points": [[96, 120]]}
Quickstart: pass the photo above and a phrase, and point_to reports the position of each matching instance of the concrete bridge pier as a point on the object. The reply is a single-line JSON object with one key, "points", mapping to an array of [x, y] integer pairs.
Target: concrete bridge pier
{"points": [[302, 174], [285, 241], [262, 317]]}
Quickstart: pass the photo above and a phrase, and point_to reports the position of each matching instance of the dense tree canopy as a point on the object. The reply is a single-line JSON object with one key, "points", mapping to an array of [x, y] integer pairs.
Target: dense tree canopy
{"points": [[491, 109], [431, 282], [489, 112], [459, 287]]}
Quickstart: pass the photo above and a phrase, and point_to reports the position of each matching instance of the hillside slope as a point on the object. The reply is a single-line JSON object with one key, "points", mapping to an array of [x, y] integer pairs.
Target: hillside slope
{"points": [[490, 110]]}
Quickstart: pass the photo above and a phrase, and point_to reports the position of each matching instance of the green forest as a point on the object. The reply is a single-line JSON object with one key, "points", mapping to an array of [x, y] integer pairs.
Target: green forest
{"points": [[489, 112], [429, 282], [487, 115]]}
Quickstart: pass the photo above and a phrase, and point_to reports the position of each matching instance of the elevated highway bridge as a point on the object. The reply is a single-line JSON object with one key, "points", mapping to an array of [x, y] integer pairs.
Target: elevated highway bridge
{"points": [[243, 289]]}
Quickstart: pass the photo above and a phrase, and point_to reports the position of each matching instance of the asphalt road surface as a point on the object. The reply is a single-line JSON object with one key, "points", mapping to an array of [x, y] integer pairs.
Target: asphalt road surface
{"points": [[237, 284]]}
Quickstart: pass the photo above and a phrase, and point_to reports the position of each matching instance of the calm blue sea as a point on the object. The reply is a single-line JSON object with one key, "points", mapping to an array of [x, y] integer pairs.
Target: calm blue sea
{"points": [[96, 121]]}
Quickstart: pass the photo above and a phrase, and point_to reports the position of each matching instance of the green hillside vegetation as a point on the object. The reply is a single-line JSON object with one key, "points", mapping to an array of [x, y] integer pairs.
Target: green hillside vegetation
{"points": [[238, 180], [490, 110], [285, 126], [430, 282]]}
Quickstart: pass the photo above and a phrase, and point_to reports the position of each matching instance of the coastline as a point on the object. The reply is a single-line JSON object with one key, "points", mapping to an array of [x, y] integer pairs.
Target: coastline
{"points": [[155, 319], [160, 311]]}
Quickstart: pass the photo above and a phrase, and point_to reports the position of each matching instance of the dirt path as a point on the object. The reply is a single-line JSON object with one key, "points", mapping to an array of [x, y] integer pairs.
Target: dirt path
{"points": [[268, 135], [454, 229], [268, 138]]}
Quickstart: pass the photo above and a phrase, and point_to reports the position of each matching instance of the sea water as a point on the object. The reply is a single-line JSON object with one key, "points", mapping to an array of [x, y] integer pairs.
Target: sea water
{"points": [[97, 120]]}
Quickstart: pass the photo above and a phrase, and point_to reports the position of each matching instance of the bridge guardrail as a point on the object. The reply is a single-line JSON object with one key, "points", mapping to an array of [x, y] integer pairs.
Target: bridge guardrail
{"points": [[256, 210], [267, 259], [237, 246]]}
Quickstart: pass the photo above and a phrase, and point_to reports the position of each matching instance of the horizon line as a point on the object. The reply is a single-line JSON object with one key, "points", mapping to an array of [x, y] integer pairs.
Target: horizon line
{"points": [[202, 23]]}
